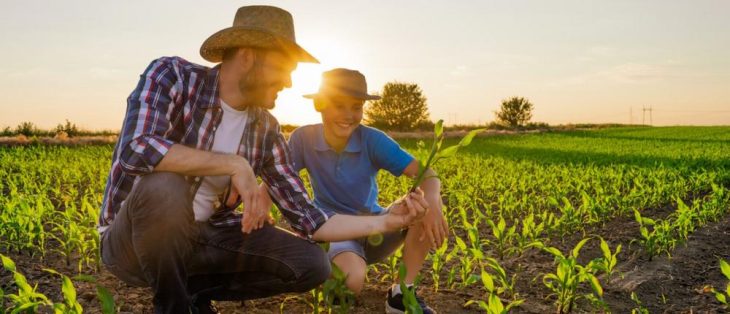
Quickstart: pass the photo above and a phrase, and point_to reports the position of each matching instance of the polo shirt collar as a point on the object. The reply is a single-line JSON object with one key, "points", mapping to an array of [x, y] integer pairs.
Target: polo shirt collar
{"points": [[354, 145]]}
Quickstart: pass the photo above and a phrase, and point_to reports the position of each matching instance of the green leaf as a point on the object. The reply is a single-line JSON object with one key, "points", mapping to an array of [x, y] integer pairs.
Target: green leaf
{"points": [[68, 290], [448, 152], [487, 281], [596, 285], [495, 304], [725, 268], [7, 263], [720, 297], [576, 250], [466, 140], [438, 129]]}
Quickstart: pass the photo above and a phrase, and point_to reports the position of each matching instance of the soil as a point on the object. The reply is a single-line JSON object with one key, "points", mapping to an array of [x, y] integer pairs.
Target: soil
{"points": [[676, 284]]}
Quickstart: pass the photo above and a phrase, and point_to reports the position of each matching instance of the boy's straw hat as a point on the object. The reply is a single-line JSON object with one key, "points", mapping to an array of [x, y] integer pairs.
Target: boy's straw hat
{"points": [[343, 82], [257, 26]]}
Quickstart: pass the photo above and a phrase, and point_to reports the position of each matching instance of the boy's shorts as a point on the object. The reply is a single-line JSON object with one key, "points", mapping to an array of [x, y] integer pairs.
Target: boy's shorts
{"points": [[372, 249]]}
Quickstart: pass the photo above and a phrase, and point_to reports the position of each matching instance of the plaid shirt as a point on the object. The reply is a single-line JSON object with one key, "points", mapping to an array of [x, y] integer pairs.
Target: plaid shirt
{"points": [[177, 102]]}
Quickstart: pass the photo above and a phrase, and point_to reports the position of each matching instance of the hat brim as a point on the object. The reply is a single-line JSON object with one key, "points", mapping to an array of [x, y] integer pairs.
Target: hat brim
{"points": [[349, 94], [213, 48]]}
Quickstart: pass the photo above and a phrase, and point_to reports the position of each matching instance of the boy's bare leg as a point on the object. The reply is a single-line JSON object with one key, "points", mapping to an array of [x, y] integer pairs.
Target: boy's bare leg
{"points": [[354, 268], [414, 253]]}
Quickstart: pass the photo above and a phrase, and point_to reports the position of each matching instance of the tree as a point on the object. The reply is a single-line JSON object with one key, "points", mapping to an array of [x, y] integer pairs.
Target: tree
{"points": [[516, 111], [401, 108]]}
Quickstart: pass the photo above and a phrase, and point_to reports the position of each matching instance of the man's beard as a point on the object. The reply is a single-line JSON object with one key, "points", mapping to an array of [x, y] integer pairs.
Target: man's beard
{"points": [[254, 88]]}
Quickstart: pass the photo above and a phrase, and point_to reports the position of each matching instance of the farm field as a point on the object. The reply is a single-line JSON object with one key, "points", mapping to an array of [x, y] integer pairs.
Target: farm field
{"points": [[527, 213]]}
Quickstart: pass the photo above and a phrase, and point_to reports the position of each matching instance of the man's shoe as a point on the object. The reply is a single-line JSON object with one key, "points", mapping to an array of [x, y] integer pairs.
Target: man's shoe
{"points": [[394, 304]]}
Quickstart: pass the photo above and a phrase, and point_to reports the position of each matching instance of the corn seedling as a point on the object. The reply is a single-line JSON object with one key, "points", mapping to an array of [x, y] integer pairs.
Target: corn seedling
{"points": [[26, 299], [724, 296], [639, 309], [70, 305], [437, 153], [409, 294], [609, 260], [504, 237], [568, 276], [337, 296]]}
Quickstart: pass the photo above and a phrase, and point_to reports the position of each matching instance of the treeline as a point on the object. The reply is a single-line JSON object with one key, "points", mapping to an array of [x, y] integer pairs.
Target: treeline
{"points": [[67, 129]]}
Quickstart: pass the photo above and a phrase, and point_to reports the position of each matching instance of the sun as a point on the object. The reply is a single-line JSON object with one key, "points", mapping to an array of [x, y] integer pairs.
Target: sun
{"points": [[291, 107]]}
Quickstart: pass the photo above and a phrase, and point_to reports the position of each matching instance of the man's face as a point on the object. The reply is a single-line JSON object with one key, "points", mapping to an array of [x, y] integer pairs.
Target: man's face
{"points": [[270, 73], [341, 115]]}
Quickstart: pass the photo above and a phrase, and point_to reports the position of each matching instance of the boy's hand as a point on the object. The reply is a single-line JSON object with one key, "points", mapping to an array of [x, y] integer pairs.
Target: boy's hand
{"points": [[406, 211], [254, 217], [435, 228]]}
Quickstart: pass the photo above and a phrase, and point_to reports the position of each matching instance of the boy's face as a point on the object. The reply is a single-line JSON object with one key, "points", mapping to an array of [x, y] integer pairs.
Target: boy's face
{"points": [[341, 115]]}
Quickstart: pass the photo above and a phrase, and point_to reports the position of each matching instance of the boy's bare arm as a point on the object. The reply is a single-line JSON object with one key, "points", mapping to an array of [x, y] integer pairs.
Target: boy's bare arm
{"points": [[435, 227]]}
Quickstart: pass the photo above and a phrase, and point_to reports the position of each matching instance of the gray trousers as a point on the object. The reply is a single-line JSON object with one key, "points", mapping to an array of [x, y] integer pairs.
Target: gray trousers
{"points": [[154, 241]]}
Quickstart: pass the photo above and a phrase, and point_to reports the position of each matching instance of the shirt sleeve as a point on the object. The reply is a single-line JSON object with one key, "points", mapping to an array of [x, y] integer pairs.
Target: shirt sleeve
{"points": [[287, 190], [296, 150], [142, 143], [387, 154]]}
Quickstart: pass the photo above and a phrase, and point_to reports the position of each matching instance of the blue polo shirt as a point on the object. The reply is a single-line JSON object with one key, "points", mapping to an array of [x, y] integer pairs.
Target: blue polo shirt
{"points": [[345, 183]]}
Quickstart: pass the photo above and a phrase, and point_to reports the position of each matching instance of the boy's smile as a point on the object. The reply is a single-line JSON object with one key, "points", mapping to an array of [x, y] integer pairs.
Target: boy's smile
{"points": [[341, 115]]}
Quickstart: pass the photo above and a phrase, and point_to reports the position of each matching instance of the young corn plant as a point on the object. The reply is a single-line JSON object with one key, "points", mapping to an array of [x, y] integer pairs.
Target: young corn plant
{"points": [[70, 305], [568, 276], [437, 152], [438, 259], [504, 238], [530, 233], [409, 294], [337, 296], [724, 296], [105, 297], [609, 260], [640, 308], [659, 239], [505, 284], [26, 299]]}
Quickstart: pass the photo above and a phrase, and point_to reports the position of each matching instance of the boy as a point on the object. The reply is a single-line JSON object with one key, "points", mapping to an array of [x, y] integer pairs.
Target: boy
{"points": [[342, 158]]}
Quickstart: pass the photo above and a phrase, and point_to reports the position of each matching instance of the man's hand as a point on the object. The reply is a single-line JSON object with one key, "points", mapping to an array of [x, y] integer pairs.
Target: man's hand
{"points": [[255, 198], [406, 211], [254, 217], [435, 228]]}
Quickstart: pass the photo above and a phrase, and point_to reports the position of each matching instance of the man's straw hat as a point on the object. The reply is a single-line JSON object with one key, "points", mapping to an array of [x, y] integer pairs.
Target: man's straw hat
{"points": [[343, 82], [257, 26]]}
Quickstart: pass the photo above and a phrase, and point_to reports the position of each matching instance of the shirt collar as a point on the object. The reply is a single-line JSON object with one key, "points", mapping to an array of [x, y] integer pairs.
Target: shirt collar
{"points": [[354, 144]]}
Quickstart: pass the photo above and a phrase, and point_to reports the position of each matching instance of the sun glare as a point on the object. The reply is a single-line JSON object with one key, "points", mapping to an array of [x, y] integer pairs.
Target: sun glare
{"points": [[291, 107]]}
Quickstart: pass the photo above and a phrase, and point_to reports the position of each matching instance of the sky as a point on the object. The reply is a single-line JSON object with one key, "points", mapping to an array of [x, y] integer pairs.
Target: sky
{"points": [[579, 61]]}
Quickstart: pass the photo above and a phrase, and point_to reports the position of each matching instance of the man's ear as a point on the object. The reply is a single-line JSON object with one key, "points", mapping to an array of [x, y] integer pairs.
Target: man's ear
{"points": [[247, 57]]}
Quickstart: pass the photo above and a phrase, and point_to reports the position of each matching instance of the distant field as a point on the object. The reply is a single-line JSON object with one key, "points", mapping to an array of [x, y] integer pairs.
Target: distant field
{"points": [[654, 191]]}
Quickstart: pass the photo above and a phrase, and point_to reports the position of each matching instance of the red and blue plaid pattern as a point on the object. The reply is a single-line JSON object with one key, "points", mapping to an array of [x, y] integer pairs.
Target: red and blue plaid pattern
{"points": [[177, 102]]}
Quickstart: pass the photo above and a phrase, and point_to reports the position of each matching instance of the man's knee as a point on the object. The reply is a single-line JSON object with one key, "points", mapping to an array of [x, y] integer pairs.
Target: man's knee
{"points": [[161, 191], [318, 269]]}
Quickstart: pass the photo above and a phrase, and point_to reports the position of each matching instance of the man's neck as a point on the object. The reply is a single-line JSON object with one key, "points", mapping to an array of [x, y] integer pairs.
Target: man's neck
{"points": [[228, 89]]}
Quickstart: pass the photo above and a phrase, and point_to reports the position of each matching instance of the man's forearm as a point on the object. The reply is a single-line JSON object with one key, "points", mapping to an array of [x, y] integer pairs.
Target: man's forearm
{"points": [[348, 227], [194, 162]]}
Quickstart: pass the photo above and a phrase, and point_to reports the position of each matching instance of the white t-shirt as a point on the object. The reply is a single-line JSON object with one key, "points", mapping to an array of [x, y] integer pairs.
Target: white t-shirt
{"points": [[226, 139]]}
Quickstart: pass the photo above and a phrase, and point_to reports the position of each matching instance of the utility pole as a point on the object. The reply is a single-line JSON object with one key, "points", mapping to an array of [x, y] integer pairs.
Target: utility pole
{"points": [[651, 121], [643, 115]]}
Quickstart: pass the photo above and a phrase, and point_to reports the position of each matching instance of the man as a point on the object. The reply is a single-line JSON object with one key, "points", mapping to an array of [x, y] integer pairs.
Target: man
{"points": [[193, 142]]}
